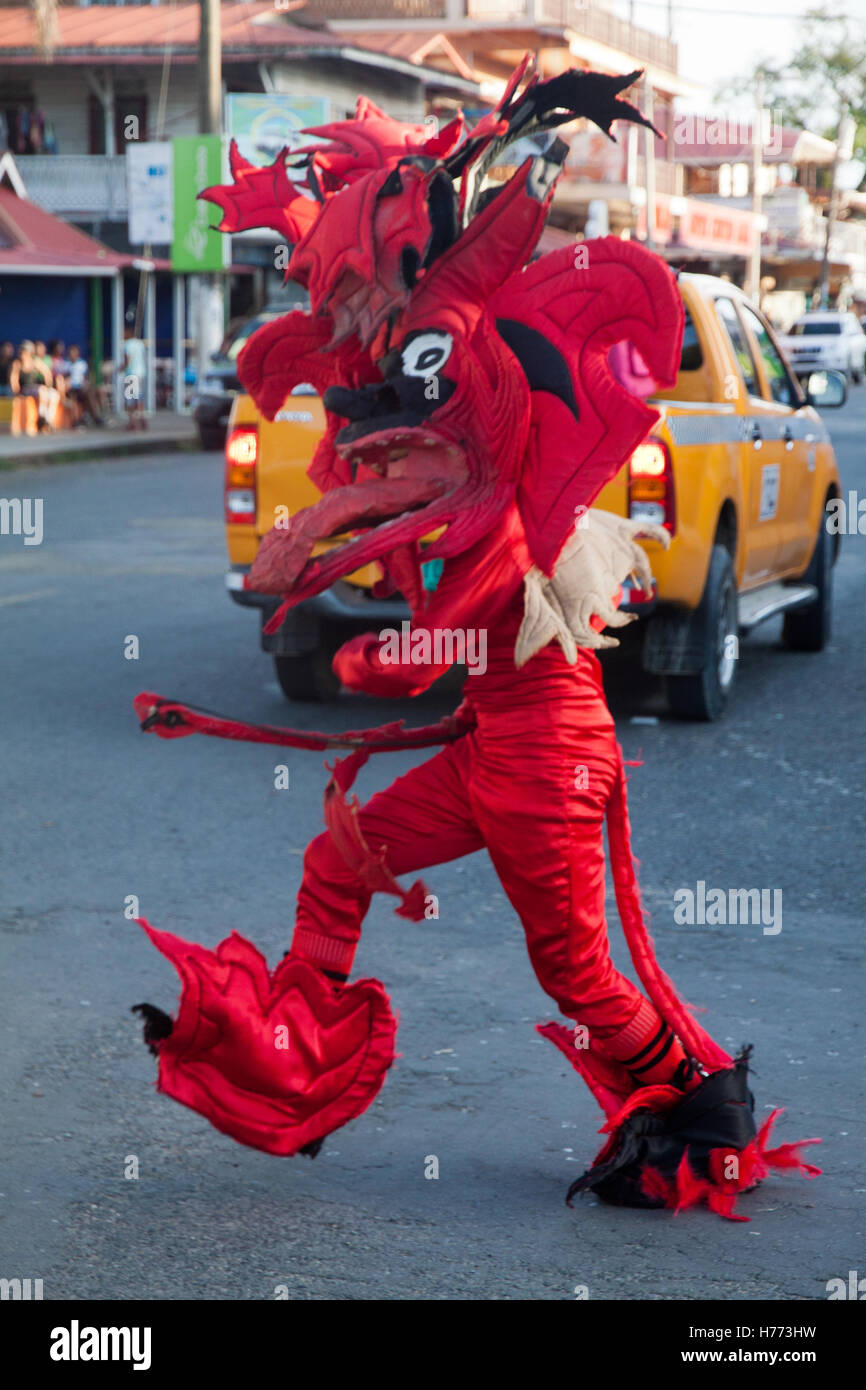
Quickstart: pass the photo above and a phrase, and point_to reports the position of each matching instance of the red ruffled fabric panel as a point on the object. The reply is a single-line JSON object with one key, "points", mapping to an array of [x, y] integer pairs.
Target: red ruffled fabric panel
{"points": [[275, 1059]]}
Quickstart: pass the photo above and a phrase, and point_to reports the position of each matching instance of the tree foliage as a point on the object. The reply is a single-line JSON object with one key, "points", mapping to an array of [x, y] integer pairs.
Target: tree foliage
{"points": [[828, 67]]}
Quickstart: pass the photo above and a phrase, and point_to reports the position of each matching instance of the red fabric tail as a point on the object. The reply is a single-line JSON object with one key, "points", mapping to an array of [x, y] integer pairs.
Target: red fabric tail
{"points": [[640, 944], [171, 719], [341, 818]]}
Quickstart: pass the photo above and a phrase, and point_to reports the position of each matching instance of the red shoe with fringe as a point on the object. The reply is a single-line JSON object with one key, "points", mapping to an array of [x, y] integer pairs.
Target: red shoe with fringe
{"points": [[666, 1149]]}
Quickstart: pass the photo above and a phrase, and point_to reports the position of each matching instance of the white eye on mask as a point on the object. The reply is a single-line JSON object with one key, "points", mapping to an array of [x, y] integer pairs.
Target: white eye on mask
{"points": [[427, 354]]}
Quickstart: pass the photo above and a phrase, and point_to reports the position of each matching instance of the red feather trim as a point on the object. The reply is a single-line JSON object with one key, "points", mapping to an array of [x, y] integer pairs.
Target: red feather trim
{"points": [[725, 1183]]}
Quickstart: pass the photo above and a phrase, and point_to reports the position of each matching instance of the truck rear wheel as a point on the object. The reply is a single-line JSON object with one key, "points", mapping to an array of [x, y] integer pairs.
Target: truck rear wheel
{"points": [[808, 629], [309, 676], [704, 693]]}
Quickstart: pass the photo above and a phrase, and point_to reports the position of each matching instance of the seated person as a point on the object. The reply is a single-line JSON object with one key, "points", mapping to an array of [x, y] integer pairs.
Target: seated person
{"points": [[79, 387], [49, 396], [7, 357], [57, 365], [27, 375]]}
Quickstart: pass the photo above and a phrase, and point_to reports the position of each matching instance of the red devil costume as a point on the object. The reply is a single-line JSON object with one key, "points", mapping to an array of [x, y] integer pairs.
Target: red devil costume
{"points": [[470, 394]]}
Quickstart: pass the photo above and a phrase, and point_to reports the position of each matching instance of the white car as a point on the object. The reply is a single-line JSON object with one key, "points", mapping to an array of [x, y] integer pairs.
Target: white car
{"points": [[827, 340]]}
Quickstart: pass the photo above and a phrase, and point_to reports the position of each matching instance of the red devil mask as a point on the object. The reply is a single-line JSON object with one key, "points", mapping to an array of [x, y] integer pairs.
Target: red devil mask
{"points": [[455, 380]]}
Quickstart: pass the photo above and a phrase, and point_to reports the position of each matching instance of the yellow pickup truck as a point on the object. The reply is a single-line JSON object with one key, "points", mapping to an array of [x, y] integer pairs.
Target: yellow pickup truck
{"points": [[739, 469]]}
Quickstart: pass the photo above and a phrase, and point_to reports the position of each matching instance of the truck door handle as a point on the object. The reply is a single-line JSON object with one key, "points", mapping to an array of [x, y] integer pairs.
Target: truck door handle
{"points": [[756, 434], [788, 436]]}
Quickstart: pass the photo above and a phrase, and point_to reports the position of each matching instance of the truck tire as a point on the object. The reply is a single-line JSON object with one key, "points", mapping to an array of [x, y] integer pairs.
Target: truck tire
{"points": [[309, 677], [808, 629], [211, 439], [705, 693]]}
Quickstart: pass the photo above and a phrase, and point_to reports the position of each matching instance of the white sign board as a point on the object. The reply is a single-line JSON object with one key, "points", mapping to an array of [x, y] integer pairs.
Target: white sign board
{"points": [[150, 192]]}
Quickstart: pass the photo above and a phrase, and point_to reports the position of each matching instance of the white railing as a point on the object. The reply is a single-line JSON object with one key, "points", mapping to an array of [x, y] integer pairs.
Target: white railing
{"points": [[76, 185]]}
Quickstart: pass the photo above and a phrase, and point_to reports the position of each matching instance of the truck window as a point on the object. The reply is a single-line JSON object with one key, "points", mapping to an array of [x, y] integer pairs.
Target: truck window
{"points": [[692, 354], [781, 387], [739, 344], [816, 328]]}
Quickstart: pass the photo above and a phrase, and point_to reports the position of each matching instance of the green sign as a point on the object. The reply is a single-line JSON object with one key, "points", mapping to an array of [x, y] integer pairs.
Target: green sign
{"points": [[197, 165]]}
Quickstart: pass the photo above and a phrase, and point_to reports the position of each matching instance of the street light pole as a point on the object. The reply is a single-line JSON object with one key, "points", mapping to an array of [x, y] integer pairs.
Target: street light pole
{"points": [[832, 208], [753, 270], [211, 309]]}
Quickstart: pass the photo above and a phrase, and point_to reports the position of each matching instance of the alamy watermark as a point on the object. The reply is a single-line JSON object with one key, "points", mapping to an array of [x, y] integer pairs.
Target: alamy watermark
{"points": [[20, 1290], [441, 646], [77, 1343], [716, 907], [22, 516], [735, 131], [846, 517]]}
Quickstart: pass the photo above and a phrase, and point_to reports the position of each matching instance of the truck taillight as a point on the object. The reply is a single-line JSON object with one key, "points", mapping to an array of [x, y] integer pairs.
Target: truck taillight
{"points": [[242, 451], [651, 484]]}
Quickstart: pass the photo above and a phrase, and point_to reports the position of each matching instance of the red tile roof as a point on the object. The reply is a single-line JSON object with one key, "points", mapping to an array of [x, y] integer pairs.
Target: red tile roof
{"points": [[414, 46], [141, 33], [32, 239], [118, 29]]}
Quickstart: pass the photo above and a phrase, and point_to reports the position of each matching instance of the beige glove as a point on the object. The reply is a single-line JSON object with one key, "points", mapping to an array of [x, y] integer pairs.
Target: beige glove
{"points": [[601, 552]]}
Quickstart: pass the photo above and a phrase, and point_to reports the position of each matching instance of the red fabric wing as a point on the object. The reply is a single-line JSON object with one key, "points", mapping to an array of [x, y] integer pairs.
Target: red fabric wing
{"points": [[262, 197], [274, 1060], [290, 351], [283, 354], [582, 300]]}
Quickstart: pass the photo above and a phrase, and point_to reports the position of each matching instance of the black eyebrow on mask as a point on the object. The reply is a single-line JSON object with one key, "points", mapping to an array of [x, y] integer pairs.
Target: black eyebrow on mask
{"points": [[543, 366]]}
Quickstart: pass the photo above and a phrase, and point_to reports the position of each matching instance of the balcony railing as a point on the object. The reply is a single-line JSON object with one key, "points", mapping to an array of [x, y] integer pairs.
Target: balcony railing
{"points": [[585, 17], [380, 9], [76, 185]]}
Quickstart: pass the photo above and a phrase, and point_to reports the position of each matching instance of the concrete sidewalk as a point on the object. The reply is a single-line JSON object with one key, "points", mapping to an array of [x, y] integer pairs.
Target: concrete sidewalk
{"points": [[166, 431]]}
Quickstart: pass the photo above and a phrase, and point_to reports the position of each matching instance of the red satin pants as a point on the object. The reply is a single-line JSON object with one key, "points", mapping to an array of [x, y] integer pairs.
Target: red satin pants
{"points": [[532, 792]]}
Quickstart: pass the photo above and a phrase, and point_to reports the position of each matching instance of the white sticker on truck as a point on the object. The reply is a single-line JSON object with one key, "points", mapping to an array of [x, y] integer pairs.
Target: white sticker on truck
{"points": [[769, 492]]}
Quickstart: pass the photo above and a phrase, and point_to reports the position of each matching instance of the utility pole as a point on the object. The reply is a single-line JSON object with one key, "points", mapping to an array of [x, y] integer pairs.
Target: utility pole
{"points": [[211, 308], [209, 68], [649, 148], [753, 270], [833, 206]]}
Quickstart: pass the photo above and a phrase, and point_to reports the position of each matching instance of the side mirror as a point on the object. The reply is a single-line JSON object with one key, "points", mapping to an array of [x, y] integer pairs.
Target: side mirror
{"points": [[826, 389]]}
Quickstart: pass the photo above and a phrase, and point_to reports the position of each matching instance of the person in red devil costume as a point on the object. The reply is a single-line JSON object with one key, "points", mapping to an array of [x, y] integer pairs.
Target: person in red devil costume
{"points": [[471, 392]]}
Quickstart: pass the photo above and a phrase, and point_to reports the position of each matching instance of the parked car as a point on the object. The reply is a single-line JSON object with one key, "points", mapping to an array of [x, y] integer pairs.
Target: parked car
{"points": [[739, 469], [213, 399], [827, 340]]}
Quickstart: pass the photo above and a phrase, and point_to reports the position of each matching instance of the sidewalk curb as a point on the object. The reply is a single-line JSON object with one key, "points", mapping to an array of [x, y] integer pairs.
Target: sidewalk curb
{"points": [[94, 451]]}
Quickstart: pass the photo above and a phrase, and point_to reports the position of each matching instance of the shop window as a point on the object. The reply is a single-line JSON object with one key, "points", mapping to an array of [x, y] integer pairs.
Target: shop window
{"points": [[124, 107], [25, 129]]}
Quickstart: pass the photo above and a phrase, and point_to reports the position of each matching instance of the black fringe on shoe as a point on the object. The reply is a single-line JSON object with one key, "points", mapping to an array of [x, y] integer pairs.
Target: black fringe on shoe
{"points": [[157, 1025]]}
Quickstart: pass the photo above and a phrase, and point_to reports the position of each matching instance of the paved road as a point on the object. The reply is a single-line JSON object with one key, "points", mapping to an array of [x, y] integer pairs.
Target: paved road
{"points": [[92, 812]]}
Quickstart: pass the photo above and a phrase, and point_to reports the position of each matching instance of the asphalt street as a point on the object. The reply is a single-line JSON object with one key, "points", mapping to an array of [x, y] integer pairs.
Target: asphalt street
{"points": [[92, 812]]}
